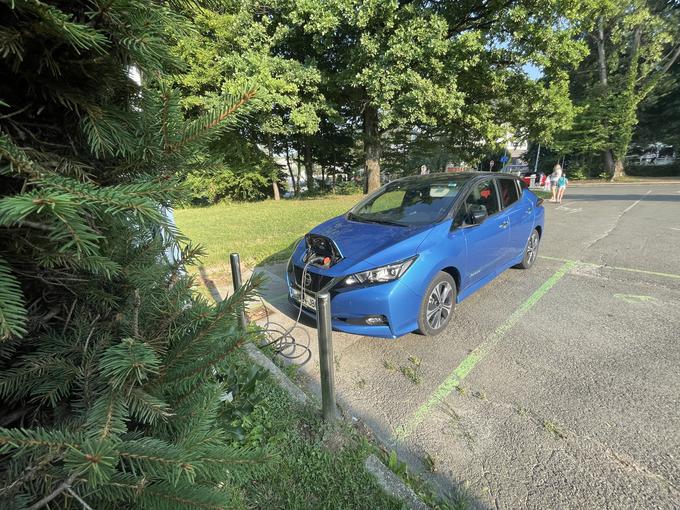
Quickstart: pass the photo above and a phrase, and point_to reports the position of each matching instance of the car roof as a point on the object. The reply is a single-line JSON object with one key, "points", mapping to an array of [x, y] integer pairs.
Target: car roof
{"points": [[452, 176]]}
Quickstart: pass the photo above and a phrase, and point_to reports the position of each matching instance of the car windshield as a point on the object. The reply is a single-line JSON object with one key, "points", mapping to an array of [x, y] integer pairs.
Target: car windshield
{"points": [[410, 202]]}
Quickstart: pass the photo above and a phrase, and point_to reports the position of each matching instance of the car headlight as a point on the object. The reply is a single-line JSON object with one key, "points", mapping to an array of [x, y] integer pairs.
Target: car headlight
{"points": [[380, 274]]}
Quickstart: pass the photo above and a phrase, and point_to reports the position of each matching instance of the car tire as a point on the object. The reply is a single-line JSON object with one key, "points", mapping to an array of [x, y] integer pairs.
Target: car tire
{"points": [[437, 305], [531, 250]]}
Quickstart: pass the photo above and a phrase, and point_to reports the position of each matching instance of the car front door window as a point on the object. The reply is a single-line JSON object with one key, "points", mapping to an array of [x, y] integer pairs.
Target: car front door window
{"points": [[484, 194]]}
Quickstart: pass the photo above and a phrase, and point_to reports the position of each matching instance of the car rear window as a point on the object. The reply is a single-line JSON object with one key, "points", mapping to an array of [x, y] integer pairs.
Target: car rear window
{"points": [[508, 190]]}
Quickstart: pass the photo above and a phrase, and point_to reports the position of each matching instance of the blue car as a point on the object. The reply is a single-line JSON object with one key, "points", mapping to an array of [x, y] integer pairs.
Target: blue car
{"points": [[402, 258]]}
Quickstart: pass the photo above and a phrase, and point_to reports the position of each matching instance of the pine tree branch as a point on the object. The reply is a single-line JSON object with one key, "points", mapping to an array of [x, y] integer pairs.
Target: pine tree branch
{"points": [[17, 112], [30, 472], [13, 314], [66, 484], [212, 361], [164, 121], [79, 499], [135, 314], [36, 225], [212, 124], [92, 330], [30, 438], [225, 309]]}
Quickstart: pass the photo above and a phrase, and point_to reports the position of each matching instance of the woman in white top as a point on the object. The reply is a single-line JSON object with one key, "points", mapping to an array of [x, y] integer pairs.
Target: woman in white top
{"points": [[554, 177]]}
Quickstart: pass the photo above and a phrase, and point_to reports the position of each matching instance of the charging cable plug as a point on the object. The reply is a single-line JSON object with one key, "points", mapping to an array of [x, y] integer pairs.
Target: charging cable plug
{"points": [[313, 258]]}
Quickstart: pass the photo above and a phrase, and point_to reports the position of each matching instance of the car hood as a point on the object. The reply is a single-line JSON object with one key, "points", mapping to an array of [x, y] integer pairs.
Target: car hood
{"points": [[372, 243]]}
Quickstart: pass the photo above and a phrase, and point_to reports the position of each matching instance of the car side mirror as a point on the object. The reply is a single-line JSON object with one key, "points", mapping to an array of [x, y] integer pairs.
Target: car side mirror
{"points": [[478, 214]]}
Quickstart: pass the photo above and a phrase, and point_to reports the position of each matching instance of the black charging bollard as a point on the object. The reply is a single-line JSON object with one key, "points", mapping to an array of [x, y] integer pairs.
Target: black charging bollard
{"points": [[236, 278], [323, 327]]}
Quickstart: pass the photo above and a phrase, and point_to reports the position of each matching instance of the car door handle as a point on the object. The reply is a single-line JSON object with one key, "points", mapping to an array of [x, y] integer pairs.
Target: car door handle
{"points": [[504, 224]]}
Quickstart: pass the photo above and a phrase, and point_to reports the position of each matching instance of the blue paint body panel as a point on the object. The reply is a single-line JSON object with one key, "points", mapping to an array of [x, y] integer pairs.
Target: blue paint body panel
{"points": [[476, 254]]}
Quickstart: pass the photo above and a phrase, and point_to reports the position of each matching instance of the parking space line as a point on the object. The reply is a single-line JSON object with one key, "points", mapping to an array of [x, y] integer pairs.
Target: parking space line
{"points": [[629, 269], [462, 370]]}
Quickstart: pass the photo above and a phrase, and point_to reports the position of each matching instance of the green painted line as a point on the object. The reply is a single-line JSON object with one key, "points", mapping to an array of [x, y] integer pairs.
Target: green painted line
{"points": [[629, 269], [634, 299], [462, 370]]}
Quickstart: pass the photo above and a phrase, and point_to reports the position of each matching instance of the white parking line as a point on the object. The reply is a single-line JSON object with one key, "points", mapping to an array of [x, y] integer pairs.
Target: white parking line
{"points": [[570, 210], [635, 203], [616, 221]]}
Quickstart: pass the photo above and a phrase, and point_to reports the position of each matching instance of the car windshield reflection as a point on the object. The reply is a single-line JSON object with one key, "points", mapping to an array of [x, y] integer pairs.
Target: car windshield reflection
{"points": [[410, 202]]}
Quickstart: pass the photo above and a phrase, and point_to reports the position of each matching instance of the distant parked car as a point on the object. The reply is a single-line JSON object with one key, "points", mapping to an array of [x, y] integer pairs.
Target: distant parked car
{"points": [[654, 154], [399, 260]]}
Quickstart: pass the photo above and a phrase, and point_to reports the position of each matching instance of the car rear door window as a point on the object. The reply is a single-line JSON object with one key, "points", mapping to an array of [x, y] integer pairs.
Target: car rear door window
{"points": [[508, 191]]}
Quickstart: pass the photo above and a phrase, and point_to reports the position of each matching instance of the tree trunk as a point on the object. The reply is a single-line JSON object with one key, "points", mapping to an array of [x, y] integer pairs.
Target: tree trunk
{"points": [[290, 171], [298, 164], [607, 155], [275, 176], [619, 170], [372, 148], [309, 166], [608, 162], [601, 55]]}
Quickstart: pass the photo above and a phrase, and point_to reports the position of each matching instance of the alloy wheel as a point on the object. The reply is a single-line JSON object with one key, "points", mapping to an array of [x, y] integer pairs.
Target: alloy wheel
{"points": [[532, 248], [439, 305]]}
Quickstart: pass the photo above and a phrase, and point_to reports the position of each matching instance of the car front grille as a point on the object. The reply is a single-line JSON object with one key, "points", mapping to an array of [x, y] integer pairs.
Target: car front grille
{"points": [[316, 281]]}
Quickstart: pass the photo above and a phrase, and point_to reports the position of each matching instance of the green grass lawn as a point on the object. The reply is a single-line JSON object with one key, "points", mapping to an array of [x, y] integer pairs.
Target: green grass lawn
{"points": [[259, 231], [312, 466]]}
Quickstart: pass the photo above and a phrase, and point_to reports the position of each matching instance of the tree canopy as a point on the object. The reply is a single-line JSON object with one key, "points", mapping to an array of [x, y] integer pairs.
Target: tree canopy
{"points": [[449, 76], [632, 45]]}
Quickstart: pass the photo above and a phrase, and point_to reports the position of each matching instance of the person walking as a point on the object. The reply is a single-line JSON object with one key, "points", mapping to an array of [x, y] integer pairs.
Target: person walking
{"points": [[561, 187], [554, 177]]}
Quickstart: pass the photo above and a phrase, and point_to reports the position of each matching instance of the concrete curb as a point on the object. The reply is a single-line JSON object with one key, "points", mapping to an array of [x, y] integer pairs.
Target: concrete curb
{"points": [[386, 479], [282, 379], [392, 484]]}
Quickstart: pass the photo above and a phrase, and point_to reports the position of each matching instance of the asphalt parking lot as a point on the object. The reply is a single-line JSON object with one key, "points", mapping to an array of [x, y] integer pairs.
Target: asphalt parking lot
{"points": [[557, 387]]}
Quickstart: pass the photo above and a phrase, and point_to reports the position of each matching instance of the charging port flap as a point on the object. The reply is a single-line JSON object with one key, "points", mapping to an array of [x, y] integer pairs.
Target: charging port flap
{"points": [[322, 246]]}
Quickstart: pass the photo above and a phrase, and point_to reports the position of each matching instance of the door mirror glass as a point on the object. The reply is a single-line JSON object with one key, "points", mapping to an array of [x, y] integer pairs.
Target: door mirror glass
{"points": [[477, 214]]}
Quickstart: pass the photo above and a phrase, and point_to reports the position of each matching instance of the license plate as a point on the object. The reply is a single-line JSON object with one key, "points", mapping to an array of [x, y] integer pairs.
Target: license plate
{"points": [[308, 301]]}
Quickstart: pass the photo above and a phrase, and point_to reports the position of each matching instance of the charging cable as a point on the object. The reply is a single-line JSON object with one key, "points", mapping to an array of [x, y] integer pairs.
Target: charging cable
{"points": [[281, 338]]}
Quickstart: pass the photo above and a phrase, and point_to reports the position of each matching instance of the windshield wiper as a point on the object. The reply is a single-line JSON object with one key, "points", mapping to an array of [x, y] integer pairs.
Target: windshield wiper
{"points": [[352, 216]]}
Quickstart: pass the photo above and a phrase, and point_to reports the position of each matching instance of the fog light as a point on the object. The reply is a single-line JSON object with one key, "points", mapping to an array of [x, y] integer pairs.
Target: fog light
{"points": [[375, 321], [368, 320]]}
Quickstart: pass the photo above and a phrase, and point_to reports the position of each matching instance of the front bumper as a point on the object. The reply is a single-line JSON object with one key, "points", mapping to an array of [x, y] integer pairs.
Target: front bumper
{"points": [[394, 301]]}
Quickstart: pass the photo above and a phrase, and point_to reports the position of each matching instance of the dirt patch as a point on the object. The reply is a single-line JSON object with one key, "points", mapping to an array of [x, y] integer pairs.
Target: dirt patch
{"points": [[335, 440]]}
